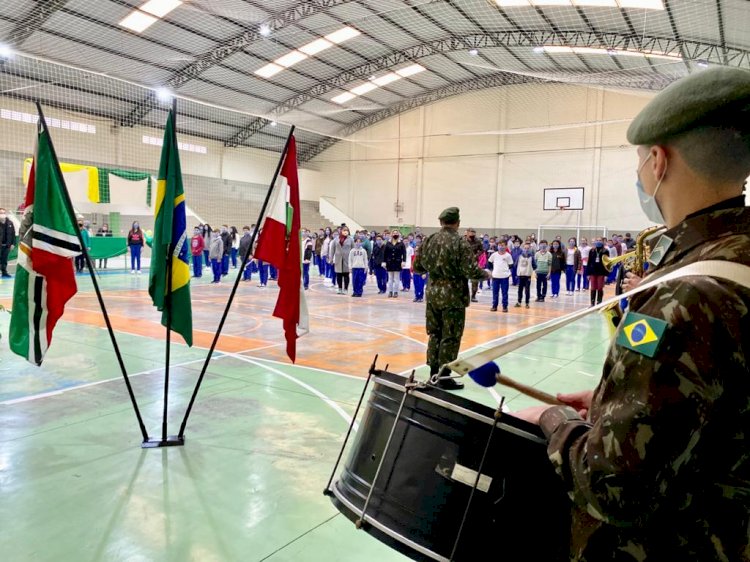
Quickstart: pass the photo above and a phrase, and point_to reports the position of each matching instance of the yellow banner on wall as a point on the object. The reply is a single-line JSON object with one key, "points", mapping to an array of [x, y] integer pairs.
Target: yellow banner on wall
{"points": [[92, 172]]}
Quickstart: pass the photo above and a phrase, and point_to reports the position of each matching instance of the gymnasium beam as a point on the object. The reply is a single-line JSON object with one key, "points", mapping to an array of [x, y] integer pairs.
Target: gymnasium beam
{"points": [[510, 39], [40, 12]]}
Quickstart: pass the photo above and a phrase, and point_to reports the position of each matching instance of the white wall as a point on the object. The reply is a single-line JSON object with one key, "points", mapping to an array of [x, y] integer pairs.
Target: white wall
{"points": [[492, 153]]}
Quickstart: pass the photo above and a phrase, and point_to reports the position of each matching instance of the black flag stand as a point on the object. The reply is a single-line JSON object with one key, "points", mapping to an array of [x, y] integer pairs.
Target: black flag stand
{"points": [[97, 290], [171, 440], [240, 271]]}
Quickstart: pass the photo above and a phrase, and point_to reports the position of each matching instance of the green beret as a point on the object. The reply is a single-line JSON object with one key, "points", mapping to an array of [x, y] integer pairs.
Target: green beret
{"points": [[699, 99], [449, 215]]}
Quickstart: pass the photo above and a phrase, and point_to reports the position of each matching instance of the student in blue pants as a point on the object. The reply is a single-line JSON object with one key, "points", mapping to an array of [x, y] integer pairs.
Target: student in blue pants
{"points": [[501, 263], [378, 257], [216, 250], [273, 272], [358, 265], [419, 283], [263, 272]]}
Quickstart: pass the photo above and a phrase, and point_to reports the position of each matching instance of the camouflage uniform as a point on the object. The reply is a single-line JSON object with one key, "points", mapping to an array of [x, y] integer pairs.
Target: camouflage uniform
{"points": [[661, 468], [450, 262]]}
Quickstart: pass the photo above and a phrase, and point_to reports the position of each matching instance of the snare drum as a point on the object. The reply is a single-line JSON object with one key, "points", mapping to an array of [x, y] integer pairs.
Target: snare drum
{"points": [[424, 502]]}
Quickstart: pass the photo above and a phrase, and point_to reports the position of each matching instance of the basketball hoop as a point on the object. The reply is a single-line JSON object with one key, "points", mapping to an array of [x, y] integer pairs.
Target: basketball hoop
{"points": [[563, 207]]}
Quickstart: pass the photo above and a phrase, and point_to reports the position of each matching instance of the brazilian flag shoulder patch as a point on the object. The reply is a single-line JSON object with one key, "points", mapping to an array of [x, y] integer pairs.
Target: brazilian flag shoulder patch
{"points": [[641, 333]]}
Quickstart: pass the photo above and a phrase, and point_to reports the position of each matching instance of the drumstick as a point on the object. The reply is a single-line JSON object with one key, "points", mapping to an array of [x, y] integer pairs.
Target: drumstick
{"points": [[489, 375], [529, 391]]}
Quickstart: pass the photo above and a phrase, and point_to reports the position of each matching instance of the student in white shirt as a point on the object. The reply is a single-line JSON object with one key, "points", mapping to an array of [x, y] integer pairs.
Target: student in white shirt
{"points": [[501, 262], [582, 274], [406, 268]]}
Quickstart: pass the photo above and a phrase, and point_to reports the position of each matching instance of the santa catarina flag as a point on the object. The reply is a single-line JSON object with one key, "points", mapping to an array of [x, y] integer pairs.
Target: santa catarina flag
{"points": [[170, 239], [45, 280], [279, 245]]}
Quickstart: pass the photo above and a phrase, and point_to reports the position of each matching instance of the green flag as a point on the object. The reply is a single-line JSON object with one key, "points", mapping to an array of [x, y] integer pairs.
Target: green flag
{"points": [[170, 238], [45, 280]]}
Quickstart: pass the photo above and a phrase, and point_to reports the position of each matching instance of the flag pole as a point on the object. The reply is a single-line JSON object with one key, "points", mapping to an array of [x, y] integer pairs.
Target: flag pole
{"points": [[240, 271], [97, 290], [172, 440]]}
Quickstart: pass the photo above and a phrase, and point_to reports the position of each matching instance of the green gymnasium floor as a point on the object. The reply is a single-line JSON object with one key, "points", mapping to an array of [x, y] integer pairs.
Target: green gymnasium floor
{"points": [[76, 486]]}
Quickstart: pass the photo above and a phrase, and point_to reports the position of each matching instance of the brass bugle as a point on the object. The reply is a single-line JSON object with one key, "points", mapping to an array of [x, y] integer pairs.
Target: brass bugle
{"points": [[609, 262]]}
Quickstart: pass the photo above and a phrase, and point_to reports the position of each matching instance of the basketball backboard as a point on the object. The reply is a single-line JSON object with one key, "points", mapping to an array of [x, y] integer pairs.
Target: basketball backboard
{"points": [[563, 198]]}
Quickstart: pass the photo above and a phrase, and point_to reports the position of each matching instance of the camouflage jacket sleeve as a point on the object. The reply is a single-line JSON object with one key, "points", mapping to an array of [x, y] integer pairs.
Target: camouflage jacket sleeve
{"points": [[418, 265], [467, 261], [648, 427]]}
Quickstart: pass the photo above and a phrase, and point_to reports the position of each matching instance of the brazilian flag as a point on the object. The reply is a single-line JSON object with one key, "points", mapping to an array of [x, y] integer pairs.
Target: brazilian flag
{"points": [[170, 239]]}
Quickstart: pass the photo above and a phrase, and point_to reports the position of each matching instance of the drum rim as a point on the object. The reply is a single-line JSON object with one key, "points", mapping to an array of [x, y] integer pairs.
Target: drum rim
{"points": [[460, 410], [385, 529]]}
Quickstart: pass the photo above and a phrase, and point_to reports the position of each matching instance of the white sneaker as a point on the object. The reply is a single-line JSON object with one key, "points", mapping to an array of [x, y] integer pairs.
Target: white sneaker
{"points": [[132, 272], [138, 272]]}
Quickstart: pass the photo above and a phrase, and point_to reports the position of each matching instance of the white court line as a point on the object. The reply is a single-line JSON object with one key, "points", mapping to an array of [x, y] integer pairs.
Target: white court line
{"points": [[339, 410], [223, 353], [370, 326], [259, 348], [95, 383], [306, 367], [587, 374]]}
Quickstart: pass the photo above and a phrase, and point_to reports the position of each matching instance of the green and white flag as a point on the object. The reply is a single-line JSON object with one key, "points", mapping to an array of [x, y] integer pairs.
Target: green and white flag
{"points": [[45, 280]]}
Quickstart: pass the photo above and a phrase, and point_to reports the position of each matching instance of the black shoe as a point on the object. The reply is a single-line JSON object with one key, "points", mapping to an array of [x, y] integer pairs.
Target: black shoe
{"points": [[493, 309], [538, 299], [6, 275], [527, 305], [474, 299], [450, 384], [518, 305], [505, 309]]}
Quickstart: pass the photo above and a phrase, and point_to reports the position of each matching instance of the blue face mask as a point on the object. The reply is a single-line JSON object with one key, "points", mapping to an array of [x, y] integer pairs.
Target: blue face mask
{"points": [[648, 202], [599, 244]]}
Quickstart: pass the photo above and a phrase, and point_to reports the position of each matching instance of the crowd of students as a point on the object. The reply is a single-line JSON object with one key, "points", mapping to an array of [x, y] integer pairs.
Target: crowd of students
{"points": [[343, 258]]}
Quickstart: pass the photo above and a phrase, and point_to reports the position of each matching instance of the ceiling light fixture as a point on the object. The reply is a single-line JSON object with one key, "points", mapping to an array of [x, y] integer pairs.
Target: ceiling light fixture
{"points": [[316, 46], [273, 123], [642, 4], [269, 70], [160, 8], [290, 59], [596, 3], [387, 79], [138, 21], [638, 4], [6, 52], [343, 34], [410, 70], [364, 88], [163, 94], [265, 30], [343, 98], [473, 52]]}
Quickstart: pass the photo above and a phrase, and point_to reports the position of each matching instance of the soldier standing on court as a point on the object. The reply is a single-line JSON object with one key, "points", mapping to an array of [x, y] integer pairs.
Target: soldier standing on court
{"points": [[450, 263], [477, 249], [660, 467]]}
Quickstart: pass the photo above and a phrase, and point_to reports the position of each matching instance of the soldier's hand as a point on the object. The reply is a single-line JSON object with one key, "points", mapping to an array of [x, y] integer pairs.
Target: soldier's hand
{"points": [[532, 413], [631, 281], [581, 400]]}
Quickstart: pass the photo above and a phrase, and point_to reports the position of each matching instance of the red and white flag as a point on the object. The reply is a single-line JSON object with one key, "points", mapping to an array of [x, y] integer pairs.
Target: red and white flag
{"points": [[279, 245]]}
